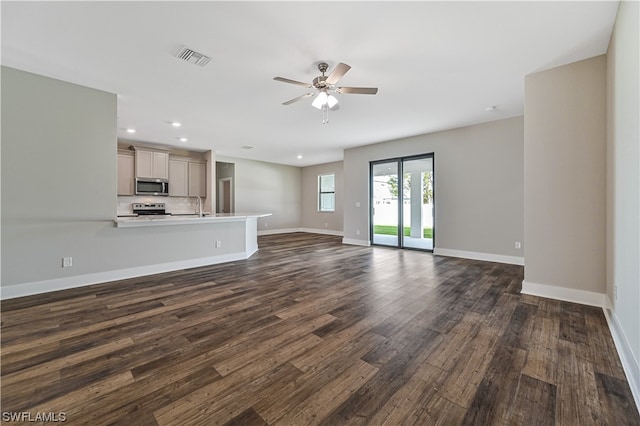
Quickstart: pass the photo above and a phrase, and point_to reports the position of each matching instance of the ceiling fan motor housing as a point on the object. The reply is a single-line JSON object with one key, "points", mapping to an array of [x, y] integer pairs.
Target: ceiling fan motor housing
{"points": [[320, 82]]}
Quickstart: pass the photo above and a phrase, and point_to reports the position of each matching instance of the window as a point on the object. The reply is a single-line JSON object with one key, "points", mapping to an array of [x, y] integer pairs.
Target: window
{"points": [[327, 193]]}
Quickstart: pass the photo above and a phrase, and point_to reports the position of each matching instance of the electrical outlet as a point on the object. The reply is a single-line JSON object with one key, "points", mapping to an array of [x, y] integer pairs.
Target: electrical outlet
{"points": [[357, 232], [357, 203], [326, 224], [518, 245], [218, 244], [67, 262], [266, 224]]}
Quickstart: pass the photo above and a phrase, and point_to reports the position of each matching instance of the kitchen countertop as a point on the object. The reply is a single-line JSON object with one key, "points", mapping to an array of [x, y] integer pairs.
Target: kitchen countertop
{"points": [[184, 219]]}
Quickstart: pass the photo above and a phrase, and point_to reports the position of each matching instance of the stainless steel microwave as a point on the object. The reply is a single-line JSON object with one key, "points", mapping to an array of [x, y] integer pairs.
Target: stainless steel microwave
{"points": [[150, 186]]}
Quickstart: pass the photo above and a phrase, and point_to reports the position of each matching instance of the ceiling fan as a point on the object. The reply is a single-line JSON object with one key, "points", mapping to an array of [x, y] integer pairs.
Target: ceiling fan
{"points": [[324, 86]]}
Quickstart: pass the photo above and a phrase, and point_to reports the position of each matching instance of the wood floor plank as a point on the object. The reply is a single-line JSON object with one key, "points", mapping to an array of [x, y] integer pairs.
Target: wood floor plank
{"points": [[312, 331], [330, 396], [614, 394], [495, 396], [60, 363], [601, 349], [578, 401], [466, 375], [72, 403], [406, 405], [137, 402], [248, 417], [224, 399], [362, 406], [533, 392], [320, 367], [454, 344], [542, 360]]}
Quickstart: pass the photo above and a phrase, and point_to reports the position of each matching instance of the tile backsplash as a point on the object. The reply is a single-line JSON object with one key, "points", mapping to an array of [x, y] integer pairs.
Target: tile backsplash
{"points": [[172, 204]]}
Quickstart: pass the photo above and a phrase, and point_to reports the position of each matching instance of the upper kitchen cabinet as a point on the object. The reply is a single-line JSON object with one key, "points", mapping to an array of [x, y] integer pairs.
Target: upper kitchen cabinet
{"points": [[187, 177], [178, 178], [125, 173], [152, 164], [197, 179]]}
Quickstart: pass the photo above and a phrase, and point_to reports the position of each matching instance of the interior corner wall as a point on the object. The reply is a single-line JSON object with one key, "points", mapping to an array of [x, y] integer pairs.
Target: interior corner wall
{"points": [[263, 187], [477, 187], [623, 188], [312, 219], [564, 178]]}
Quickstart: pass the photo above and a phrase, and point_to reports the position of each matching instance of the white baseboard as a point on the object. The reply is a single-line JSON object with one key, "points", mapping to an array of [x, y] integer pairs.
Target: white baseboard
{"points": [[630, 364], [278, 231], [566, 294], [350, 241], [308, 230], [488, 257], [322, 231], [354, 242], [56, 284]]}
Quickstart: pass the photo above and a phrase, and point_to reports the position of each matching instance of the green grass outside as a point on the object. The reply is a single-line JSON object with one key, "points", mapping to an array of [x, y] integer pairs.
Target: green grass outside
{"points": [[393, 230]]}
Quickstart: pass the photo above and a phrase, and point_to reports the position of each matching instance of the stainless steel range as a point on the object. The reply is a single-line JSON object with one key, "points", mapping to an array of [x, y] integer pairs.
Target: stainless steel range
{"points": [[148, 208]]}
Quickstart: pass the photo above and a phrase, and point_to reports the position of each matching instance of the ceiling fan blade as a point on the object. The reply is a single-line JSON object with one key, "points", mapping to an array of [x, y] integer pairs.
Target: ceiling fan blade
{"points": [[299, 98], [358, 90], [339, 71], [286, 80]]}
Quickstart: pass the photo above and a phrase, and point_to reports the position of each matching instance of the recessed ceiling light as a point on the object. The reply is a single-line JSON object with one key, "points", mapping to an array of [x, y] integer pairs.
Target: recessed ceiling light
{"points": [[247, 147], [491, 108], [183, 139], [299, 156], [131, 130], [176, 124]]}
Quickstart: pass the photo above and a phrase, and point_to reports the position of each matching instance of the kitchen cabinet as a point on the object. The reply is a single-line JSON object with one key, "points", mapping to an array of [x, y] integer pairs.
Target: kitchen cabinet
{"points": [[178, 178], [152, 164], [197, 179], [125, 174], [187, 177]]}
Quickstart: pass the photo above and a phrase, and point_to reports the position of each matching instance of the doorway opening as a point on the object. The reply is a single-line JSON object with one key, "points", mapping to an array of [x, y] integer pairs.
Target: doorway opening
{"points": [[403, 202], [225, 175]]}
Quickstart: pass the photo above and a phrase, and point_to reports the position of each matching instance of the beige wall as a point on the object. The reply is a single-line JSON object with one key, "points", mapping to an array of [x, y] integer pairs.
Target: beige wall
{"points": [[312, 219], [564, 176], [623, 186], [478, 186], [267, 188]]}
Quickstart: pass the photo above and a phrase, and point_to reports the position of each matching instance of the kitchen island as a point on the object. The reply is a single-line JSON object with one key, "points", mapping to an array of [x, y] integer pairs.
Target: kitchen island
{"points": [[187, 219], [210, 239]]}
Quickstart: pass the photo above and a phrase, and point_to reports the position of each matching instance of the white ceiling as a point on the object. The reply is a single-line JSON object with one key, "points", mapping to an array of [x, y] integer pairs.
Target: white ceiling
{"points": [[438, 65]]}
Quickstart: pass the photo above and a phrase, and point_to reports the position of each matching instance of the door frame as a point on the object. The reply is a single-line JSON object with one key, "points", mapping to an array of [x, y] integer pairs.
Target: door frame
{"points": [[400, 167], [221, 193]]}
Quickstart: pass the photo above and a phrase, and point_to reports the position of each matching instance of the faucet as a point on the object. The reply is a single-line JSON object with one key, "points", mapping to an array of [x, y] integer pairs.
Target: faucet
{"points": [[199, 206]]}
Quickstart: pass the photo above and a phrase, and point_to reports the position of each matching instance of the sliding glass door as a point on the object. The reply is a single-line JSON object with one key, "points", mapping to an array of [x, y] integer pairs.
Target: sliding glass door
{"points": [[384, 203], [402, 202]]}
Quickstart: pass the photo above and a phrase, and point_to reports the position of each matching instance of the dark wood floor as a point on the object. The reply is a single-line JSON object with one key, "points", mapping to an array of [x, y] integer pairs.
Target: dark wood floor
{"points": [[310, 331]]}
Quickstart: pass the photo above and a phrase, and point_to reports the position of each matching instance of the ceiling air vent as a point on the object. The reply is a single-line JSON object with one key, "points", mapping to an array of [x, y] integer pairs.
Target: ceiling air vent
{"points": [[193, 57]]}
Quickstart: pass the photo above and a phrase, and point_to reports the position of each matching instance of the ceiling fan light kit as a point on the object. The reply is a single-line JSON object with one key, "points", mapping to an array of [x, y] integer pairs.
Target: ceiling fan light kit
{"points": [[324, 86], [323, 99]]}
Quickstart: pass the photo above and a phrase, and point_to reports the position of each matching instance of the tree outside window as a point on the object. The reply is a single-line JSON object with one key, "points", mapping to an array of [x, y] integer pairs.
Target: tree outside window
{"points": [[427, 194]]}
